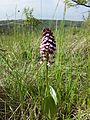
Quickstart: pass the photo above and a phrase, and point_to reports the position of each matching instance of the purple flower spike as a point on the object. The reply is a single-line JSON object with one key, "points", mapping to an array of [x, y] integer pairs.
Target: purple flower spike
{"points": [[47, 46]]}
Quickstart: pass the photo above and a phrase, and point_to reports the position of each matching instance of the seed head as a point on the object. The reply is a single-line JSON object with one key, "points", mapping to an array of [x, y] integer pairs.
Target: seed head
{"points": [[47, 46]]}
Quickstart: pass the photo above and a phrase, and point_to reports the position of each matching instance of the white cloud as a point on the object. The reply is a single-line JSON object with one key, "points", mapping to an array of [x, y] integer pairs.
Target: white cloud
{"points": [[7, 2], [48, 9]]}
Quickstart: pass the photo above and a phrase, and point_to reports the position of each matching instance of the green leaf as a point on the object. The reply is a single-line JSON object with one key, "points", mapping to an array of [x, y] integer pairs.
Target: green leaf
{"points": [[53, 94], [49, 107]]}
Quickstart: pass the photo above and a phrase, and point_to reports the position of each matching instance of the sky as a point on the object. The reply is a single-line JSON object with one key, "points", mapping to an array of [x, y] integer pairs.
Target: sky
{"points": [[43, 9]]}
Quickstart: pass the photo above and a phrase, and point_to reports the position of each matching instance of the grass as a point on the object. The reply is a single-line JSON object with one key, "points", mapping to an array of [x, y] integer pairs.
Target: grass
{"points": [[22, 78]]}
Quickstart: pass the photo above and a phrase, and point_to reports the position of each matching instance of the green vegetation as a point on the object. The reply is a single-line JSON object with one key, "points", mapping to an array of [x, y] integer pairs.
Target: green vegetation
{"points": [[85, 3], [22, 77], [10, 26]]}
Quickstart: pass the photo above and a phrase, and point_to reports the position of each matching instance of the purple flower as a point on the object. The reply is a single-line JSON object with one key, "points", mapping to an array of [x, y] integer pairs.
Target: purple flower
{"points": [[47, 46]]}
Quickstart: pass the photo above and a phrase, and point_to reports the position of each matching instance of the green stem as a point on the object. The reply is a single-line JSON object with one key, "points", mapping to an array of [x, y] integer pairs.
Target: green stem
{"points": [[47, 85]]}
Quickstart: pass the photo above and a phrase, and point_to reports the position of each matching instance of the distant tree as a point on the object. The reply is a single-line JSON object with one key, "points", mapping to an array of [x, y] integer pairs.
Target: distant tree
{"points": [[30, 19]]}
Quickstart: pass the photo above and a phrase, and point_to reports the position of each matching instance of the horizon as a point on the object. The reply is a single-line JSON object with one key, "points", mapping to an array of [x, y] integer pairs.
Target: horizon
{"points": [[44, 19]]}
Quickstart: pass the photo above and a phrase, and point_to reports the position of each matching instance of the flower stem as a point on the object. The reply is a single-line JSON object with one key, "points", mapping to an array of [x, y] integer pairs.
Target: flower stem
{"points": [[47, 85]]}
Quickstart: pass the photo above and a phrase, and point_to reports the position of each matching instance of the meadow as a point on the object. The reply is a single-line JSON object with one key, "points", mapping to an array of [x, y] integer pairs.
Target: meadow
{"points": [[23, 78]]}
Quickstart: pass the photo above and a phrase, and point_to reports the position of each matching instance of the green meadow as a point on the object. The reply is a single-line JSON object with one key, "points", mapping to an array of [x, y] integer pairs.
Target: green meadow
{"points": [[23, 78]]}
